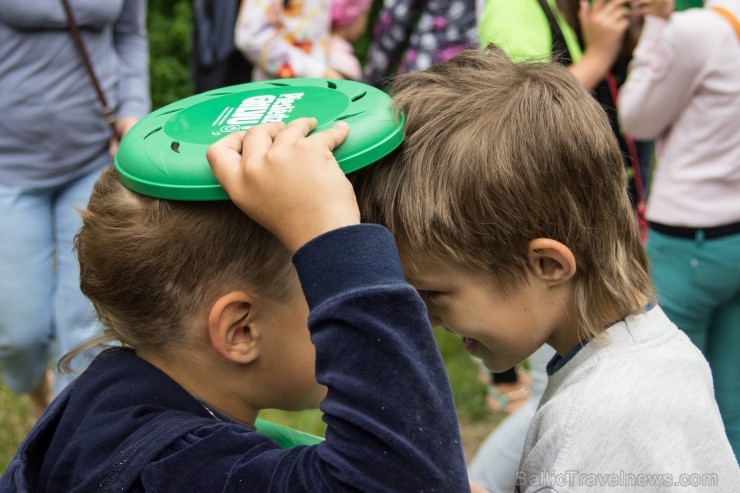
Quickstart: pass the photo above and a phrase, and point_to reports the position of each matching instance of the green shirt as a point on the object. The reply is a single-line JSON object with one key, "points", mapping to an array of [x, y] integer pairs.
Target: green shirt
{"points": [[520, 28]]}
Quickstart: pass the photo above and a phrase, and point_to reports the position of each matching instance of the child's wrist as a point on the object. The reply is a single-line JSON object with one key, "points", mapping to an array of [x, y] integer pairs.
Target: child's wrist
{"points": [[312, 229]]}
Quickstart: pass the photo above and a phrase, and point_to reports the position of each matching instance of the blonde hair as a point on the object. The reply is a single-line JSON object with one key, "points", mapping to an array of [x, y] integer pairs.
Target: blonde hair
{"points": [[497, 154], [149, 264]]}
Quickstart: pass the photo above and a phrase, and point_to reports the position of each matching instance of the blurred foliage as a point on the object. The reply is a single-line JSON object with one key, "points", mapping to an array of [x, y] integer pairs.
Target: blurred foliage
{"points": [[170, 35]]}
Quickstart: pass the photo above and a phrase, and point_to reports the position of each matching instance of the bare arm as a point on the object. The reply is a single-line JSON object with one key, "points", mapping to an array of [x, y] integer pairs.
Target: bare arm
{"points": [[603, 25]]}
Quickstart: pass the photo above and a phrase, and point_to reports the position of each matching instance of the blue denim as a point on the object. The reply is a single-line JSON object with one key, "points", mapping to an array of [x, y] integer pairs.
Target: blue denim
{"points": [[42, 311], [698, 285], [495, 464]]}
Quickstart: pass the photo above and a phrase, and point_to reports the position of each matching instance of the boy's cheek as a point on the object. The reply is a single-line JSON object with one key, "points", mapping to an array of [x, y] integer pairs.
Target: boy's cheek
{"points": [[434, 320], [321, 394]]}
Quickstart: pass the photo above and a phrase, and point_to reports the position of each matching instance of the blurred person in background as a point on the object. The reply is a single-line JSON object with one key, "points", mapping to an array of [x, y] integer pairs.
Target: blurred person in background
{"points": [[285, 38], [348, 24], [215, 60], [412, 35], [683, 89], [54, 141]]}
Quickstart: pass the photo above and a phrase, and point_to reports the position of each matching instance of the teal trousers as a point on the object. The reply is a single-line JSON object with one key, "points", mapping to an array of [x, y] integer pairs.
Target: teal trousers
{"points": [[698, 286]]}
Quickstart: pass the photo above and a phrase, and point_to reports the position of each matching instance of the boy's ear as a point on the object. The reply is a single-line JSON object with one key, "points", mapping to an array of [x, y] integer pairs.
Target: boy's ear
{"points": [[551, 261], [230, 328]]}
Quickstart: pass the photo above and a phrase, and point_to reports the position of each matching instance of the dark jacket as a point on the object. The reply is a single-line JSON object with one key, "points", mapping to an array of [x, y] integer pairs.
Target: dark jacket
{"points": [[124, 425]]}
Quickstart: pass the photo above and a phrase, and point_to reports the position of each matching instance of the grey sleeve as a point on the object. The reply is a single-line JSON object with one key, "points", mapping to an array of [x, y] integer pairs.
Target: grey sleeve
{"points": [[132, 45]]}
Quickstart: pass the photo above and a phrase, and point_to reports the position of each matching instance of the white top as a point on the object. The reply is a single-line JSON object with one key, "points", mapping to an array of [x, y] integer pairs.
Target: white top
{"points": [[633, 411], [284, 38], [683, 89]]}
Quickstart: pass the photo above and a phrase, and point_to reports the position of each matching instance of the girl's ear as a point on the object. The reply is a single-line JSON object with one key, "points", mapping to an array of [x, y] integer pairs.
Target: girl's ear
{"points": [[230, 328], [551, 261]]}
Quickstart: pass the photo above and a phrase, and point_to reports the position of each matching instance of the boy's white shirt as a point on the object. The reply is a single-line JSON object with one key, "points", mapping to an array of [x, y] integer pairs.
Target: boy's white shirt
{"points": [[634, 411]]}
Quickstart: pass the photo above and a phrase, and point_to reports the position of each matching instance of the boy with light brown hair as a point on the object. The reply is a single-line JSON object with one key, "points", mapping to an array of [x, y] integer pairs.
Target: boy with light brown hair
{"points": [[509, 206]]}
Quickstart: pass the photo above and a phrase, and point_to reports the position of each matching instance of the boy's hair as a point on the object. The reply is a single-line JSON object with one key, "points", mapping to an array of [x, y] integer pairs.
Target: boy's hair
{"points": [[497, 154], [149, 264]]}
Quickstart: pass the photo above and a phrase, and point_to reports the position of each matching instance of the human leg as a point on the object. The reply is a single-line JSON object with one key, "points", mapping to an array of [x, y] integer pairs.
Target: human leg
{"points": [[673, 264], [74, 316], [722, 348], [723, 340], [506, 376], [508, 391], [698, 284], [26, 286], [495, 464]]}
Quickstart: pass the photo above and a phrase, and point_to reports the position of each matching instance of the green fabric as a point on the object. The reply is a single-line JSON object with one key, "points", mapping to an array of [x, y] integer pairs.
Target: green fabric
{"points": [[520, 28]]}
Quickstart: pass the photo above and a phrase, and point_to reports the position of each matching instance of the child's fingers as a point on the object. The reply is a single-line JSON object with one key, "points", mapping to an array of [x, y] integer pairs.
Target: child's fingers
{"points": [[224, 156], [259, 138], [639, 7], [617, 5], [333, 136], [231, 141], [295, 130]]}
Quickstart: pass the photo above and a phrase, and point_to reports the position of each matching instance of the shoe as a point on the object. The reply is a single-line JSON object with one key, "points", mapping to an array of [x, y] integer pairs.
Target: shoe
{"points": [[509, 397], [506, 397]]}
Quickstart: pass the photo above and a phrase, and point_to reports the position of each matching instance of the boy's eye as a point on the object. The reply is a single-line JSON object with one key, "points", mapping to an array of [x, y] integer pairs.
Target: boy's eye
{"points": [[429, 295]]}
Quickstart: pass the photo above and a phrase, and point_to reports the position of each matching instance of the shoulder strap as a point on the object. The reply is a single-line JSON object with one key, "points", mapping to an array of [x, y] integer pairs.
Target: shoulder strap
{"points": [[730, 18], [145, 445], [560, 53], [108, 112]]}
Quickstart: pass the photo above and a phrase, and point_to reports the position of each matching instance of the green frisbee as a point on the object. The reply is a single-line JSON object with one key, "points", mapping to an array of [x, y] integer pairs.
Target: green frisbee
{"points": [[164, 154], [285, 436]]}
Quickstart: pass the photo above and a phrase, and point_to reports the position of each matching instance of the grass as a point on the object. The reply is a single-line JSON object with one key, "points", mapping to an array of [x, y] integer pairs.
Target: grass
{"points": [[15, 421], [476, 421]]}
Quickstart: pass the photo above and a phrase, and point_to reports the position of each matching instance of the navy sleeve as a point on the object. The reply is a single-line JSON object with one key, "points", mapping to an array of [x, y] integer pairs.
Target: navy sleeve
{"points": [[391, 419]]}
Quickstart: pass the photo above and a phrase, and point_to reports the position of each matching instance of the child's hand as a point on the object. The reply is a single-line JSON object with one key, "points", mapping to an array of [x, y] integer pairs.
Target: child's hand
{"points": [[123, 125], [287, 182], [603, 24], [657, 8]]}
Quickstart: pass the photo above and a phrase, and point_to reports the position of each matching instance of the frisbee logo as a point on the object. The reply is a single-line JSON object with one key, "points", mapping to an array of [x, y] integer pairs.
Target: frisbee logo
{"points": [[261, 109]]}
